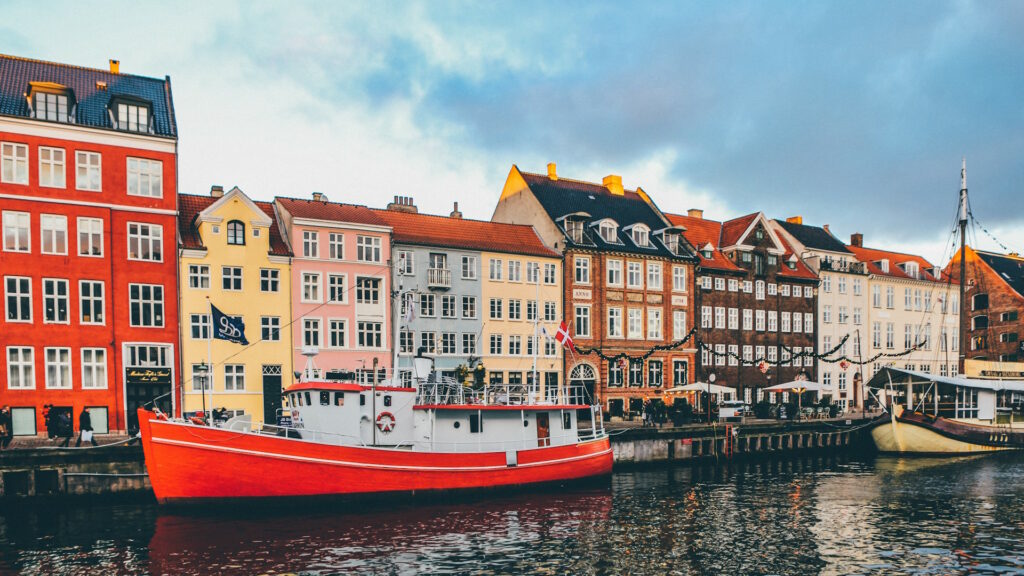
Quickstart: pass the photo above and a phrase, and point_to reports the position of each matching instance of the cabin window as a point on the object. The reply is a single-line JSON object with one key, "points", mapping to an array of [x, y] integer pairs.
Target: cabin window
{"points": [[362, 399], [298, 400], [325, 398], [387, 399], [309, 402], [456, 424], [339, 399], [476, 423], [526, 423], [566, 421]]}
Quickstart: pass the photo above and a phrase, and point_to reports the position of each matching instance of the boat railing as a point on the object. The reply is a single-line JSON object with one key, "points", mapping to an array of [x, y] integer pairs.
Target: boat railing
{"points": [[447, 391]]}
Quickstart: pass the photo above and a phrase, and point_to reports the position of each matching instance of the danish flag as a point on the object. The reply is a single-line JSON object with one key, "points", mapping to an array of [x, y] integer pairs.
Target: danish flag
{"points": [[564, 338]]}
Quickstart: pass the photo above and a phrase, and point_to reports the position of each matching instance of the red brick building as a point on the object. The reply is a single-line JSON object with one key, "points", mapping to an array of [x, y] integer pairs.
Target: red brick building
{"points": [[756, 299], [628, 282], [88, 163], [994, 305]]}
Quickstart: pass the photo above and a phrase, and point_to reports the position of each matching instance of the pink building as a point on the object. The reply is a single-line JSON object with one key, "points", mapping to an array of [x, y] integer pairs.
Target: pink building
{"points": [[341, 288]]}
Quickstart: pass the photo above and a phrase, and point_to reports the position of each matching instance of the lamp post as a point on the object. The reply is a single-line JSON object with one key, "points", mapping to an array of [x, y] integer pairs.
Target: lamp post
{"points": [[202, 373], [711, 380]]}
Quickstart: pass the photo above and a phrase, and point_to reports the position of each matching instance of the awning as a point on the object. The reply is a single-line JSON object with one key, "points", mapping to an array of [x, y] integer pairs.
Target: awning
{"points": [[900, 376]]}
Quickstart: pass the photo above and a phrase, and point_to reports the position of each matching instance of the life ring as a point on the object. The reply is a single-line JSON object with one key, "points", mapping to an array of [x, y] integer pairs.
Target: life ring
{"points": [[386, 422]]}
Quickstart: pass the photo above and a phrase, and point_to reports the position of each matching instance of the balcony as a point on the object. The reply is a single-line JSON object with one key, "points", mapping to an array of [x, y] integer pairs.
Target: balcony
{"points": [[838, 266], [439, 278]]}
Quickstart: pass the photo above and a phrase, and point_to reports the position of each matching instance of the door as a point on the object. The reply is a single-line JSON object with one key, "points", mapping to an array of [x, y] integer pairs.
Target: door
{"points": [[271, 393], [543, 429], [138, 395]]}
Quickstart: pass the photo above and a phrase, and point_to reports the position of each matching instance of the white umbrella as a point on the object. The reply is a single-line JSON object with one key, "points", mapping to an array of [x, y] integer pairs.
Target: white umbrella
{"points": [[702, 387], [798, 387]]}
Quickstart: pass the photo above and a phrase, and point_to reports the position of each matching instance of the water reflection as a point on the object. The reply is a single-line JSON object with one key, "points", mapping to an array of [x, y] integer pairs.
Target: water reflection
{"points": [[783, 516]]}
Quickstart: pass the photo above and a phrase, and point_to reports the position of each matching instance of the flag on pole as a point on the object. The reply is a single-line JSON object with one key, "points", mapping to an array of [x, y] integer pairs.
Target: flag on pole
{"points": [[564, 338], [228, 328]]}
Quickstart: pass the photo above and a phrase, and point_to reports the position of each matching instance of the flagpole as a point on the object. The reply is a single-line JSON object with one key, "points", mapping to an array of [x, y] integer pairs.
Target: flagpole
{"points": [[209, 360]]}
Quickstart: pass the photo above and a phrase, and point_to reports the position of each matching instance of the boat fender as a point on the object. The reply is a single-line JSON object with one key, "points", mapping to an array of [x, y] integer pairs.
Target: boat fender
{"points": [[386, 422]]}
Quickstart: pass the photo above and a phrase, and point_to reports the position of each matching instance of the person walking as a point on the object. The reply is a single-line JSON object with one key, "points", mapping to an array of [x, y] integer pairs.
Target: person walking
{"points": [[6, 427], [85, 428], [65, 428]]}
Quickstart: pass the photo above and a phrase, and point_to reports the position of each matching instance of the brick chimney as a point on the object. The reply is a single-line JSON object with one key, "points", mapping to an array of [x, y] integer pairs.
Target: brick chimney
{"points": [[455, 213], [319, 197], [403, 204], [216, 191], [826, 228], [695, 213], [115, 66], [613, 183], [857, 239], [795, 219], [552, 174]]}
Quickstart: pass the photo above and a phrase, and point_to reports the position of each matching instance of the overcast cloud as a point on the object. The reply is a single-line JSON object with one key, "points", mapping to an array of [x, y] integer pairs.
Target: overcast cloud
{"points": [[854, 114]]}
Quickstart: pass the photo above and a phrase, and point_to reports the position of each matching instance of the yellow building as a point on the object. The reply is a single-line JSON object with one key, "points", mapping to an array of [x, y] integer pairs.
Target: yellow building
{"points": [[521, 294], [232, 255]]}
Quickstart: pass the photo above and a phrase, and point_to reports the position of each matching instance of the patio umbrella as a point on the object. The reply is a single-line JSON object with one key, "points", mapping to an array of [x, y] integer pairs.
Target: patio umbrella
{"points": [[798, 387], [702, 387]]}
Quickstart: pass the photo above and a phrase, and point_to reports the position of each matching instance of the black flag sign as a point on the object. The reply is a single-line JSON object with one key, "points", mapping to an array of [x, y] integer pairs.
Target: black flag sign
{"points": [[227, 328]]}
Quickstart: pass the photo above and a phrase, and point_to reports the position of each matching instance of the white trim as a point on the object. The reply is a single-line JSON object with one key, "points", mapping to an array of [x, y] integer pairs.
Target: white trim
{"points": [[192, 253], [88, 135], [92, 204], [340, 224], [236, 192]]}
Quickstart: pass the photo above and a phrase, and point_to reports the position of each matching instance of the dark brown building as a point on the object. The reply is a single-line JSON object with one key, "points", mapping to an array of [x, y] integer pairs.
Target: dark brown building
{"points": [[994, 304]]}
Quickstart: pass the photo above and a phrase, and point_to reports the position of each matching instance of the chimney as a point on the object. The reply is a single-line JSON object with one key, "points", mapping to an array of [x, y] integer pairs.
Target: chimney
{"points": [[552, 174], [695, 213], [795, 219], [826, 228], [115, 66], [455, 213], [404, 204], [614, 184], [319, 197], [857, 239], [216, 191]]}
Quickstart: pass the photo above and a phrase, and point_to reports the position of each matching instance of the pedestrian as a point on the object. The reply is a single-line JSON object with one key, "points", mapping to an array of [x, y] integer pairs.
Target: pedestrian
{"points": [[85, 428], [65, 427], [48, 423], [6, 427]]}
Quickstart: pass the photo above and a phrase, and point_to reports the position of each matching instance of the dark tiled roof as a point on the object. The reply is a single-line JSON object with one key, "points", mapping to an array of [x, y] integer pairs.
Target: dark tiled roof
{"points": [[16, 73], [814, 237], [442, 231], [1009, 268], [872, 256], [333, 211], [189, 206], [562, 197]]}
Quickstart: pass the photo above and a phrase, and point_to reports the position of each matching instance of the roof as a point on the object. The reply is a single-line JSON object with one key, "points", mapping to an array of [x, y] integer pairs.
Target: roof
{"points": [[732, 230], [1009, 268], [444, 231], [564, 197], [900, 376], [333, 211], [813, 237], [189, 207], [871, 257], [16, 73]]}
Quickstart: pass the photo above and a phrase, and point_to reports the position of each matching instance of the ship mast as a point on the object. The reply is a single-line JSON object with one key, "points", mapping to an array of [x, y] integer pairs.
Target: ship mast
{"points": [[963, 263]]}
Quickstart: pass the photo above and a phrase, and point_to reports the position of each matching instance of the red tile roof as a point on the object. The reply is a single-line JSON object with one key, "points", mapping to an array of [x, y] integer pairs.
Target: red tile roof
{"points": [[189, 207], [871, 257], [334, 211], [733, 229], [431, 230]]}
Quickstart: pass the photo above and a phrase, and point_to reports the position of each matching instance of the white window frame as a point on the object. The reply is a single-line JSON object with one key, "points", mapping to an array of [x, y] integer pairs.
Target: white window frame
{"points": [[312, 326], [88, 171], [55, 282], [21, 222], [679, 278], [234, 377], [272, 277], [24, 366], [614, 322], [614, 273], [145, 176], [232, 277], [635, 323], [469, 268], [581, 319], [13, 163], [679, 329], [312, 287], [62, 364], [336, 246], [271, 325], [310, 244], [53, 230], [654, 324], [49, 177], [368, 248], [655, 276], [20, 296], [333, 289], [93, 300], [152, 302], [153, 239], [90, 367], [337, 326], [93, 237]]}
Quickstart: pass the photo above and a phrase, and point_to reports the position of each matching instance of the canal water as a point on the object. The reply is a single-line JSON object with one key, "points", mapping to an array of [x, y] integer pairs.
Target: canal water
{"points": [[794, 516]]}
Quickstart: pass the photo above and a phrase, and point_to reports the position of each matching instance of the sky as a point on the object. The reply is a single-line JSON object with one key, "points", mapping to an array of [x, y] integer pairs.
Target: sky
{"points": [[852, 114]]}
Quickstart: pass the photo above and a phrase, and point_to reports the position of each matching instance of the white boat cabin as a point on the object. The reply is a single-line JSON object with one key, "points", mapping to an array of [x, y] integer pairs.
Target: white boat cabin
{"points": [[986, 401]]}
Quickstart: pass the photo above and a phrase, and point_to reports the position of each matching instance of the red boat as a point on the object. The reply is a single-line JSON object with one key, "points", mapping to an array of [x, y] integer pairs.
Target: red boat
{"points": [[351, 439]]}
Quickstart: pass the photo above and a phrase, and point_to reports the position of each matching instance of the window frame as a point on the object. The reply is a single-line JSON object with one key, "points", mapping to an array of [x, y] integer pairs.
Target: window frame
{"points": [[89, 168]]}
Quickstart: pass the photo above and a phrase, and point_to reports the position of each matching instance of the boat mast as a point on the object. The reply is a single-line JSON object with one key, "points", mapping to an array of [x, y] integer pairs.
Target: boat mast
{"points": [[963, 264]]}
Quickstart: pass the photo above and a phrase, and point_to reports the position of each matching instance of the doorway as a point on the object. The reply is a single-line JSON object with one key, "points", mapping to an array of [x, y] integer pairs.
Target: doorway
{"points": [[543, 429], [271, 393]]}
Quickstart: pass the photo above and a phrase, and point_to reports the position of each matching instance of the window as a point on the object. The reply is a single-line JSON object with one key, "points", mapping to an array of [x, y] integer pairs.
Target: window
{"points": [[734, 285], [748, 353], [719, 283], [17, 233], [515, 271], [469, 267], [469, 344], [876, 296], [748, 319], [773, 321], [310, 244], [798, 323], [58, 367], [614, 272], [53, 233], [336, 288], [759, 290], [1008, 316], [234, 377], [448, 306], [145, 242], [90, 301], [20, 367], [405, 342], [199, 326], [231, 277], [844, 316], [550, 274], [515, 345], [748, 286], [198, 276], [720, 317], [773, 289], [336, 330], [55, 301], [515, 309], [785, 321], [469, 306], [368, 290], [581, 317], [808, 323], [720, 355], [614, 374], [87, 171], [734, 353], [270, 280], [635, 323], [236, 233], [773, 354], [890, 335], [615, 322], [311, 332], [679, 279], [678, 324], [13, 163], [609, 232], [979, 302], [857, 317], [706, 314], [448, 343], [654, 324], [94, 368], [495, 345], [734, 318], [370, 334], [368, 248], [641, 236], [550, 347], [428, 308], [336, 248], [531, 310], [784, 289], [496, 305], [146, 305], [495, 269], [636, 372], [826, 313], [270, 328], [680, 371], [549, 311], [132, 117], [574, 230], [705, 282], [759, 320], [654, 275], [145, 177], [51, 167], [18, 291]]}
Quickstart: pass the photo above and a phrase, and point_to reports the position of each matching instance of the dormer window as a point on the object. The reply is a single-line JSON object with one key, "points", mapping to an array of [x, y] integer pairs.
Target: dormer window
{"points": [[671, 242], [50, 101], [911, 269], [791, 262], [133, 118], [236, 233], [574, 230], [706, 254], [641, 236], [609, 232], [884, 265]]}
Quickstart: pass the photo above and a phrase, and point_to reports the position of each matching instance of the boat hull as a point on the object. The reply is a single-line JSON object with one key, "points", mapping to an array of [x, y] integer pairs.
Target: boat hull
{"points": [[914, 433], [188, 463]]}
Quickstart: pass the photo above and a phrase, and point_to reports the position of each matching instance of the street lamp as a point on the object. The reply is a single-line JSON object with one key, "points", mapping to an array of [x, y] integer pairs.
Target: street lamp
{"points": [[201, 373], [711, 380]]}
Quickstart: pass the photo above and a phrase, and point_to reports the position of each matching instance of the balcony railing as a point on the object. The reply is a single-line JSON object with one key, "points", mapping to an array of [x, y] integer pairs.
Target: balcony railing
{"points": [[837, 266], [439, 278]]}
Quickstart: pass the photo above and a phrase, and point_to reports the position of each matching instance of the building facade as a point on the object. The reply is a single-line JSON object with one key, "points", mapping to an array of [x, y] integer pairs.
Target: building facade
{"points": [[756, 299], [232, 256], [842, 305], [627, 277], [995, 305], [341, 287], [88, 164]]}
